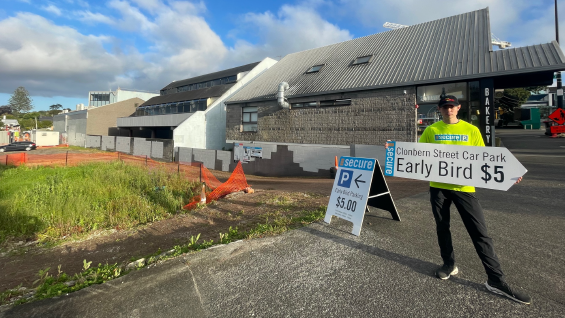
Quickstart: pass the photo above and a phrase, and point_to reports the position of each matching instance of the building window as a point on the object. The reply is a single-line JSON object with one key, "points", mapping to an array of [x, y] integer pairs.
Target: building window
{"points": [[337, 102], [302, 105], [362, 60], [249, 118], [432, 93], [315, 68]]}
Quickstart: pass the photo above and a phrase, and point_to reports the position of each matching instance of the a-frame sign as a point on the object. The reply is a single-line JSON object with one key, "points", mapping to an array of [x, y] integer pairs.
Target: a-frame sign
{"points": [[357, 186]]}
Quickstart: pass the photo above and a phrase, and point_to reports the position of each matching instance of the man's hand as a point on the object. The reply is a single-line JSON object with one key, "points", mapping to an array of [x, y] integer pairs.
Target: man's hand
{"points": [[387, 144], [518, 181]]}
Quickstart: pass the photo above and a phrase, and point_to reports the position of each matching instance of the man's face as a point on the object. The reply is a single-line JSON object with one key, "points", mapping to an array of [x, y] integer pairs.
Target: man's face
{"points": [[449, 110]]}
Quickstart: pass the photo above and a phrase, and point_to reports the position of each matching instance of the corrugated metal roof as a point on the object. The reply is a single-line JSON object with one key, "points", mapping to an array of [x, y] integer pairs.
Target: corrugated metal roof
{"points": [[212, 76], [453, 48], [213, 91]]}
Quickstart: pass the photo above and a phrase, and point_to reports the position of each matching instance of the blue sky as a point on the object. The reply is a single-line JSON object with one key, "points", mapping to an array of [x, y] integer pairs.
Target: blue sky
{"points": [[61, 49]]}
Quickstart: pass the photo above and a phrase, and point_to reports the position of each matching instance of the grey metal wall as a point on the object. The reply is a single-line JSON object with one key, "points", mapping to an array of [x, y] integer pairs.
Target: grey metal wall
{"points": [[76, 128]]}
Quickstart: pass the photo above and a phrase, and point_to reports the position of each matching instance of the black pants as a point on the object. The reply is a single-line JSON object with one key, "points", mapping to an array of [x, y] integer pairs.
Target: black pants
{"points": [[472, 215]]}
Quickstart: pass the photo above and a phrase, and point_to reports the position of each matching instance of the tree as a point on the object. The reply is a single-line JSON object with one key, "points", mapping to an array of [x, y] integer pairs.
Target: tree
{"points": [[55, 107], [20, 101], [5, 110], [515, 97]]}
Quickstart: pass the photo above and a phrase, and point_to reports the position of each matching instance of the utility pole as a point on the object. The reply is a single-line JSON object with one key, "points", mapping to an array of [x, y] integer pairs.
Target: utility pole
{"points": [[558, 75]]}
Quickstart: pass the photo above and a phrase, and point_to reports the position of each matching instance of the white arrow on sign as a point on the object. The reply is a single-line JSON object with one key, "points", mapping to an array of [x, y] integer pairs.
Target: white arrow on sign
{"points": [[483, 167]]}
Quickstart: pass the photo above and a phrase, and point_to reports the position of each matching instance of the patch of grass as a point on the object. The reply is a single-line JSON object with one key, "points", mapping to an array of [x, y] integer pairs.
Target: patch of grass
{"points": [[48, 203]]}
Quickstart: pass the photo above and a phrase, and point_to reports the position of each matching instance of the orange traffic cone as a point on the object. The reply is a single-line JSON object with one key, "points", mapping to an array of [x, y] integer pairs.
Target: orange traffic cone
{"points": [[203, 194]]}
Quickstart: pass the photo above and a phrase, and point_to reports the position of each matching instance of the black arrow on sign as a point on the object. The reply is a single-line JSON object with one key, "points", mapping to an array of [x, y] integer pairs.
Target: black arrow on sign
{"points": [[357, 181]]}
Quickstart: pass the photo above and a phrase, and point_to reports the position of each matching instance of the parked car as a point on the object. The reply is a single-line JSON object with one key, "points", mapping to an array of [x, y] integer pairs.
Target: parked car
{"points": [[19, 145]]}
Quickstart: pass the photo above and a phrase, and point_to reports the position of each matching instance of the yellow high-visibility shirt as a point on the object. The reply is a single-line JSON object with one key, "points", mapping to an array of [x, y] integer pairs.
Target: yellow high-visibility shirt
{"points": [[461, 133]]}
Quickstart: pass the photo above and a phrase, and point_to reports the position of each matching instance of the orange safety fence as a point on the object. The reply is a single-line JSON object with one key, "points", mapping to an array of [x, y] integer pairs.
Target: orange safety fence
{"points": [[236, 182], [193, 171]]}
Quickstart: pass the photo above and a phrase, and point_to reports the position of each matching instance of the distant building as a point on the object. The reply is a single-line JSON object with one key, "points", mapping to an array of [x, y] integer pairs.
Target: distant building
{"points": [[74, 126], [192, 111], [546, 103], [101, 98], [10, 122]]}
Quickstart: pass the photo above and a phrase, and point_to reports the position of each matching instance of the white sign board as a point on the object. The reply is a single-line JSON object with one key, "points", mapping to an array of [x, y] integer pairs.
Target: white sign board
{"points": [[351, 190], [244, 153], [483, 167]]}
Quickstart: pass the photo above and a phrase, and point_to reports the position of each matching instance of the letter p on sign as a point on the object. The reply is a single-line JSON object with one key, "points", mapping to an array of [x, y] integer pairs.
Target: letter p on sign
{"points": [[345, 178]]}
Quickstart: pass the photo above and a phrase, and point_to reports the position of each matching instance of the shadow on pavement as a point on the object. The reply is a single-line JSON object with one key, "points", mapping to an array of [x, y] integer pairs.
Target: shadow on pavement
{"points": [[417, 265]]}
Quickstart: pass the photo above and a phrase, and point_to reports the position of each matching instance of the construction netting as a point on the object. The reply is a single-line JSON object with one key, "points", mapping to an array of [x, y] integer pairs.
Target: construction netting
{"points": [[213, 188]]}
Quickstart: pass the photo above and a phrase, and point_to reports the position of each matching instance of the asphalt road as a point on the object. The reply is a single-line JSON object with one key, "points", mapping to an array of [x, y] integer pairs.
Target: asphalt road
{"points": [[324, 271]]}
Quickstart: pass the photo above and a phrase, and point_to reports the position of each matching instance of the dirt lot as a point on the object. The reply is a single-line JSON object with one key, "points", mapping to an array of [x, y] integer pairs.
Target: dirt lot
{"points": [[21, 261]]}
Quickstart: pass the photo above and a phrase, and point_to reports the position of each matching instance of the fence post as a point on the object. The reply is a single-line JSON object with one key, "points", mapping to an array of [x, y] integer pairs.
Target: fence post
{"points": [[7, 160], [145, 160], [66, 159], [178, 168], [201, 172]]}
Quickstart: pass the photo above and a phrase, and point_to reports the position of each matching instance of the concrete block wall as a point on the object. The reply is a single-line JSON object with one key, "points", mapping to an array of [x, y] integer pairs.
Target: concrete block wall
{"points": [[223, 159], [312, 158], [207, 157], [183, 154], [370, 151], [108, 143], [372, 118], [123, 144], [141, 147], [93, 141], [306, 160], [157, 149], [212, 159], [153, 148]]}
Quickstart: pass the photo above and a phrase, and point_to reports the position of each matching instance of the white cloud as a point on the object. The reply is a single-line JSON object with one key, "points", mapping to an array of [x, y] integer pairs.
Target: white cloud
{"points": [[292, 29], [53, 60], [93, 18], [178, 42], [52, 9]]}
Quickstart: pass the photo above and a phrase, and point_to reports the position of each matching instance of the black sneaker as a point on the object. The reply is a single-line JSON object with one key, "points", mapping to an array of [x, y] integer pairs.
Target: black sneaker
{"points": [[446, 271], [505, 290]]}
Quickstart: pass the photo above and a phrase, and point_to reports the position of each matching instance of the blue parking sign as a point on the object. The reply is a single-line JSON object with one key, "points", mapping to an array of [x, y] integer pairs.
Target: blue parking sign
{"points": [[345, 178]]}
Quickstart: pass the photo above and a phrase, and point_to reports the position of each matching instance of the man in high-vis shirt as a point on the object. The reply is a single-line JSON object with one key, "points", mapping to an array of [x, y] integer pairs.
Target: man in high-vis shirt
{"points": [[453, 131]]}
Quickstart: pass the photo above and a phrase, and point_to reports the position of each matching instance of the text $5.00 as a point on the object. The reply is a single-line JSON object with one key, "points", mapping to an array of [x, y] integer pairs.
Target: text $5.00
{"points": [[348, 205]]}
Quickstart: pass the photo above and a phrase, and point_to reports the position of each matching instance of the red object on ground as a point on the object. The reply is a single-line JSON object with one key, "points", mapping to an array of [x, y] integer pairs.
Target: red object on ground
{"points": [[557, 129], [558, 116]]}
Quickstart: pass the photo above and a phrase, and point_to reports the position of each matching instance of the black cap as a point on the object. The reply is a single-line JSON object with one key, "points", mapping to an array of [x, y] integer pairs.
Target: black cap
{"points": [[448, 100]]}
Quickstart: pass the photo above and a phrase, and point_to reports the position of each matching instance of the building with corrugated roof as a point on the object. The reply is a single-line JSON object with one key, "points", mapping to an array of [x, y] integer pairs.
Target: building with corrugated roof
{"points": [[192, 111], [378, 87]]}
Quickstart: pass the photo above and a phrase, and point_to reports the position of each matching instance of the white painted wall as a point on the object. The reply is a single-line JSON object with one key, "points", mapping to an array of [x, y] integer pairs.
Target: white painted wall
{"points": [[125, 95], [45, 138], [208, 130]]}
